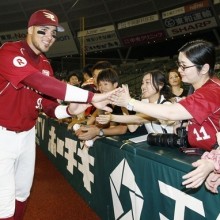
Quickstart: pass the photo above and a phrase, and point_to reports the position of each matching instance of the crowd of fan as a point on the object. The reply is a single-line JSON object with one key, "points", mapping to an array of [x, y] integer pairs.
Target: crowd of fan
{"points": [[157, 87]]}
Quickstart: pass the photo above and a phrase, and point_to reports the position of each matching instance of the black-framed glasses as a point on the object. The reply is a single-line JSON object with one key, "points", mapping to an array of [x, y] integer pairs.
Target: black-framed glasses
{"points": [[184, 67]]}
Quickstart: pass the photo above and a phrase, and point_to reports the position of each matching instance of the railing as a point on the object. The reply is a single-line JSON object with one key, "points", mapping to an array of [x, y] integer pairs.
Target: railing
{"points": [[120, 179]]}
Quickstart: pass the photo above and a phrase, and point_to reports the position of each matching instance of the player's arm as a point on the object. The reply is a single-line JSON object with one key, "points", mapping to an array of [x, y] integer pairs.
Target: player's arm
{"points": [[57, 89], [166, 112], [54, 88]]}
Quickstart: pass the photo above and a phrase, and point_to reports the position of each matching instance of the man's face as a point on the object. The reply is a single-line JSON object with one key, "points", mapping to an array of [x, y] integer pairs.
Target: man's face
{"points": [[41, 38], [105, 86]]}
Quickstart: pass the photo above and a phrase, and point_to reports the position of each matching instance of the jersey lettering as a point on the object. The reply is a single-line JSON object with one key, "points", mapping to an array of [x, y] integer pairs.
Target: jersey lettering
{"points": [[201, 135], [39, 103]]}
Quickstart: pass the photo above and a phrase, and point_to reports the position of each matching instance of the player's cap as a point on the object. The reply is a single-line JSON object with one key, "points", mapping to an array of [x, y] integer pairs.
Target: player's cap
{"points": [[44, 17]]}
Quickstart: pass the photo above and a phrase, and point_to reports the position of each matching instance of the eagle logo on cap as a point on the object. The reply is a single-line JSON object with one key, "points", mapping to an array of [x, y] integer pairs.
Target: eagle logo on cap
{"points": [[50, 16]]}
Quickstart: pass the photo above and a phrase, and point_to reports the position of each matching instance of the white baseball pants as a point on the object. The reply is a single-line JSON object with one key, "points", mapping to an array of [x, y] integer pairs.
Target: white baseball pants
{"points": [[17, 161]]}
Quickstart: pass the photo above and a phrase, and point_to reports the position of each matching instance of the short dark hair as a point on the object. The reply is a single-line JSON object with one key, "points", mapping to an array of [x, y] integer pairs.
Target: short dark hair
{"points": [[76, 73], [108, 75], [101, 65]]}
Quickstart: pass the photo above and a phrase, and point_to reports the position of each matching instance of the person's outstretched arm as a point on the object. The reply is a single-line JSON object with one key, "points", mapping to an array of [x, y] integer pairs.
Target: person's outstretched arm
{"points": [[54, 88], [165, 112]]}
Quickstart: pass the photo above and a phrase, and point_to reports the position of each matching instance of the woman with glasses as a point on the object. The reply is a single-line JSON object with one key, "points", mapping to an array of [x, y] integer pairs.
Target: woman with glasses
{"points": [[196, 62]]}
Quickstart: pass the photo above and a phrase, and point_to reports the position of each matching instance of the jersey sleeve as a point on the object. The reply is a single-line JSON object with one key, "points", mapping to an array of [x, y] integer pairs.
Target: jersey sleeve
{"points": [[14, 66], [202, 103]]}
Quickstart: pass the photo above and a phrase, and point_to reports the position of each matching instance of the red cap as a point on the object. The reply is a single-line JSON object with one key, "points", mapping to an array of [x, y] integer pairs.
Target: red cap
{"points": [[44, 17]]}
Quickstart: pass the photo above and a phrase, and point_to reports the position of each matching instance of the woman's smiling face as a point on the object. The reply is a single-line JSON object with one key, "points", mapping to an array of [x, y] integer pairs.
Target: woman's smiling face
{"points": [[147, 87]]}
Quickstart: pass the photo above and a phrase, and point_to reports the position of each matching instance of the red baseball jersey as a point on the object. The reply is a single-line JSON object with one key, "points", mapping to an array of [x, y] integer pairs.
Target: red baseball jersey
{"points": [[20, 104], [204, 106]]}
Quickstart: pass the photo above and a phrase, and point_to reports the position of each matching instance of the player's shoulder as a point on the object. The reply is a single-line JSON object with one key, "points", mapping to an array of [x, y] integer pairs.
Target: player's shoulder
{"points": [[11, 45]]}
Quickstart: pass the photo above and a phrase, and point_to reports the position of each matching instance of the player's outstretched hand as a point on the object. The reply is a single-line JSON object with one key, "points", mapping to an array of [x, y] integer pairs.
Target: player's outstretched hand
{"points": [[121, 97], [101, 100], [196, 177]]}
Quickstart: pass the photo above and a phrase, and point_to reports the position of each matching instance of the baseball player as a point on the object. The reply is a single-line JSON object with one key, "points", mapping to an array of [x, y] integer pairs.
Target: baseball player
{"points": [[27, 86]]}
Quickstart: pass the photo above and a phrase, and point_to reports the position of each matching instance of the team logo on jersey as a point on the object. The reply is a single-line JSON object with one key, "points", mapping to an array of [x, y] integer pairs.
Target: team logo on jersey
{"points": [[19, 61], [46, 72], [50, 16]]}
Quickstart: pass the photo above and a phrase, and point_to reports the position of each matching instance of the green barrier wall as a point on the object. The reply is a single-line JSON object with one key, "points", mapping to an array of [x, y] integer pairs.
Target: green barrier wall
{"points": [[126, 181]]}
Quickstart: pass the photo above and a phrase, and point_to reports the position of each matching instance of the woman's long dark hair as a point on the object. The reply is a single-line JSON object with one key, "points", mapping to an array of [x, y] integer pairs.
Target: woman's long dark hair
{"points": [[160, 79]]}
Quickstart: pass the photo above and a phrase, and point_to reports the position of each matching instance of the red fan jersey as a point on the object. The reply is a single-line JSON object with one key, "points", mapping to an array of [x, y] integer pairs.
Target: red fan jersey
{"points": [[19, 104], [204, 106]]}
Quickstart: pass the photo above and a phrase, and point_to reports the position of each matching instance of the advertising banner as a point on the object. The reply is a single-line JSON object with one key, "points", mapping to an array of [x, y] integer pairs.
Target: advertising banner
{"points": [[144, 38], [189, 18], [190, 22], [138, 21], [94, 31], [185, 9], [101, 41]]}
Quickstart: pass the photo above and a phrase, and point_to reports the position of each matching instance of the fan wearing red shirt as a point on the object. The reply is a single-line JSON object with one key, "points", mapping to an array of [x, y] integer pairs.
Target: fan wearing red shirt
{"points": [[196, 63], [27, 86]]}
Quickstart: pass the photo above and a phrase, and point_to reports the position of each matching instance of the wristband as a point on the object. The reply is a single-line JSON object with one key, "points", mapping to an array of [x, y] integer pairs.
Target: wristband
{"points": [[67, 111], [90, 96], [61, 112]]}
